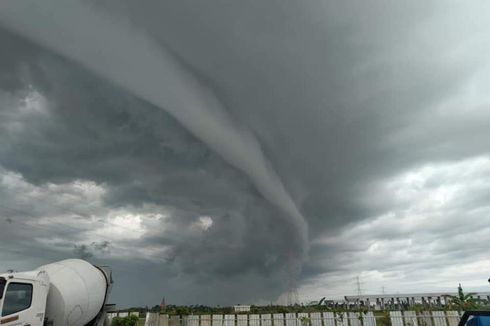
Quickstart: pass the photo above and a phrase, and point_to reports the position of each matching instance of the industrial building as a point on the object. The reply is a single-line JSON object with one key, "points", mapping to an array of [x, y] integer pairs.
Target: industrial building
{"points": [[382, 301]]}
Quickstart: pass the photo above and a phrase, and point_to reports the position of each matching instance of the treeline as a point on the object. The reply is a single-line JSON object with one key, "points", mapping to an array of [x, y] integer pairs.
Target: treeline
{"points": [[461, 302], [207, 310]]}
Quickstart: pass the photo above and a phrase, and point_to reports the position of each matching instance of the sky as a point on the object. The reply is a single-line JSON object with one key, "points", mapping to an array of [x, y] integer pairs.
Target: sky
{"points": [[218, 152]]}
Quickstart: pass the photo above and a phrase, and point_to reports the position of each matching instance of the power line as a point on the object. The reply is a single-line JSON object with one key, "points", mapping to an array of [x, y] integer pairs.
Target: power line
{"points": [[358, 286], [358, 289]]}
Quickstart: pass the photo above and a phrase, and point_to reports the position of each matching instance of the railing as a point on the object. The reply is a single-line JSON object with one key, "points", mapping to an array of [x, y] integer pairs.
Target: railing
{"points": [[378, 318]]}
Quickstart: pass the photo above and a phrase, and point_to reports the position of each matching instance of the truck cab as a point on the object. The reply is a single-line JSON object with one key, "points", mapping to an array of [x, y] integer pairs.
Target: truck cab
{"points": [[71, 292], [23, 298], [475, 318]]}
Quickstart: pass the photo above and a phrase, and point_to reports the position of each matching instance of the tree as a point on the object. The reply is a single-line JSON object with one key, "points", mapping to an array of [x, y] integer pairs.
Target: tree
{"points": [[463, 301], [321, 301], [125, 321]]}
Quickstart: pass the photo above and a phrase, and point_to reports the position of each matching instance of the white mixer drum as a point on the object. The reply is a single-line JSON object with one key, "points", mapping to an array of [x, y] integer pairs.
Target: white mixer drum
{"points": [[77, 292]]}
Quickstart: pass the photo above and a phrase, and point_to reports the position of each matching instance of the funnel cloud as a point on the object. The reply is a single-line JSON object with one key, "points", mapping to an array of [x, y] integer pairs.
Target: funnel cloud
{"points": [[107, 46]]}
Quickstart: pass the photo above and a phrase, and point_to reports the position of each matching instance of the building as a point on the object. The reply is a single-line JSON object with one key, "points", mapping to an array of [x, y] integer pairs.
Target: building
{"points": [[381, 301], [163, 305], [241, 308]]}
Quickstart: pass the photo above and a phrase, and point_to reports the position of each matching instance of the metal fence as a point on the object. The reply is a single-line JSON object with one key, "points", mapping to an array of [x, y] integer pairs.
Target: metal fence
{"points": [[392, 318]]}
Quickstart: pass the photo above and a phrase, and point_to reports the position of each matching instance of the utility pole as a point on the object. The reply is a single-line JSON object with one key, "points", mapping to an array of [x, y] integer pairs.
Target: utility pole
{"points": [[358, 286], [359, 290]]}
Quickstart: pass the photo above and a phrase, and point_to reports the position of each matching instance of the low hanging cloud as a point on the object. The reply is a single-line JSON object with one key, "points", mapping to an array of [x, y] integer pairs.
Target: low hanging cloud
{"points": [[109, 47], [84, 251], [415, 241], [176, 205]]}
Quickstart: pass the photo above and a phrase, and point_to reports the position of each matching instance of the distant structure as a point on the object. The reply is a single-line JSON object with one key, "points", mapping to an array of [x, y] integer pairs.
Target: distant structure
{"points": [[383, 301], [358, 290], [163, 305], [241, 308]]}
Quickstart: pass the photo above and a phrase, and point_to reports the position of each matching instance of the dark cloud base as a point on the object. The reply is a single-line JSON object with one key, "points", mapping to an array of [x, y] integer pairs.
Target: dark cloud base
{"points": [[90, 130]]}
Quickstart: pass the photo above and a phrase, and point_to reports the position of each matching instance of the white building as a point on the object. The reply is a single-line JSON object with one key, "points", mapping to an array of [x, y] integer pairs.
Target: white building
{"points": [[380, 301], [241, 308]]}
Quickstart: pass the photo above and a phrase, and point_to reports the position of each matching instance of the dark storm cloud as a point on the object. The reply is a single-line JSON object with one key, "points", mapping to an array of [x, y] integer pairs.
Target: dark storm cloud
{"points": [[84, 129], [84, 251], [342, 78], [352, 104], [107, 47]]}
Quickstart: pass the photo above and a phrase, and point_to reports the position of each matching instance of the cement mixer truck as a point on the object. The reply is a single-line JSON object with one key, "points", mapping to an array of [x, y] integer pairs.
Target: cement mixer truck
{"points": [[71, 292]]}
